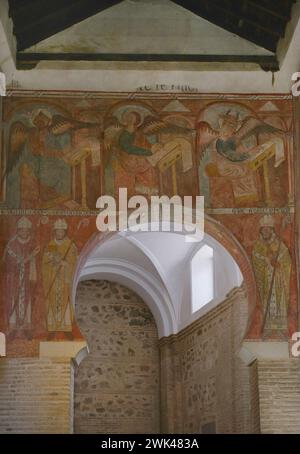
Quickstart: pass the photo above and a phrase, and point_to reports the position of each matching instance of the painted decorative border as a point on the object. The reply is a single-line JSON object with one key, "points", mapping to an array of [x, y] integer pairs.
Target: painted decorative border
{"points": [[142, 94]]}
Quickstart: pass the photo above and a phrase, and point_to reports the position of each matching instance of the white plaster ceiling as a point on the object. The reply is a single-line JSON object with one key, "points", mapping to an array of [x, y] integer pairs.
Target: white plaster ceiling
{"points": [[156, 265], [147, 26]]}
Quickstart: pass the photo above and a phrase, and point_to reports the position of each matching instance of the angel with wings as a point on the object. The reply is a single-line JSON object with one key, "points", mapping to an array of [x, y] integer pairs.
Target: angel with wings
{"points": [[234, 147], [38, 170], [131, 144]]}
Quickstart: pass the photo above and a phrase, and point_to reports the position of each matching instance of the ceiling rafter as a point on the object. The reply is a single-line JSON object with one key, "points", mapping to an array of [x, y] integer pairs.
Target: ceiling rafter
{"points": [[27, 14], [234, 17], [262, 22], [277, 6], [27, 60], [261, 19], [57, 16], [258, 5], [242, 15]]}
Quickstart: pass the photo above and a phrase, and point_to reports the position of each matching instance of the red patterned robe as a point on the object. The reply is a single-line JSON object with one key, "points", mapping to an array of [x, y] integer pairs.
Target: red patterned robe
{"points": [[21, 291]]}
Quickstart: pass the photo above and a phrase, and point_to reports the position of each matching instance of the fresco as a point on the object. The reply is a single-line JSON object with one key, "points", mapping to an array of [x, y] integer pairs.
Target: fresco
{"points": [[244, 155], [270, 244], [50, 154], [60, 153], [148, 153], [37, 268]]}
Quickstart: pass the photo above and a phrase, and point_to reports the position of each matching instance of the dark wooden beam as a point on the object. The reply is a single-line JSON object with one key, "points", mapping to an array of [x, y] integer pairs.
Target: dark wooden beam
{"points": [[54, 16], [247, 12], [28, 60], [242, 17], [17, 3], [27, 13], [283, 14], [281, 8], [214, 12]]}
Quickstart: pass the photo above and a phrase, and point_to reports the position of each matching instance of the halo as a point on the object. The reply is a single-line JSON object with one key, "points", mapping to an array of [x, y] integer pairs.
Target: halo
{"points": [[140, 110], [129, 111]]}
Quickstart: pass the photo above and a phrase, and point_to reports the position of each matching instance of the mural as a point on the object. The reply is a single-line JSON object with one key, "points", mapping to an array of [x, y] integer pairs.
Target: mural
{"points": [[150, 154], [37, 268], [243, 154], [58, 265], [61, 153], [270, 244], [272, 266], [21, 283], [45, 149]]}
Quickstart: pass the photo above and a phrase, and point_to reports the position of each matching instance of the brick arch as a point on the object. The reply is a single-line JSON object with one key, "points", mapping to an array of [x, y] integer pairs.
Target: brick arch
{"points": [[213, 228], [223, 235]]}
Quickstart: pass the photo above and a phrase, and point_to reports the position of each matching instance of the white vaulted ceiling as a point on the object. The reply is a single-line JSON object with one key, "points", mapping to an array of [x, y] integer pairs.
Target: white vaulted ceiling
{"points": [[156, 265]]}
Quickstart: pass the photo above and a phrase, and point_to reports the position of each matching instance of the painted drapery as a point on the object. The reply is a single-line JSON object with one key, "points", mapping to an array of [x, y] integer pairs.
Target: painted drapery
{"points": [[61, 152]]}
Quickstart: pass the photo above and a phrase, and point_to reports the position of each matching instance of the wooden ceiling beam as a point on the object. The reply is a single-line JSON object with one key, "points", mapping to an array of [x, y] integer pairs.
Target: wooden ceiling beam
{"points": [[262, 22], [28, 60], [259, 19], [280, 8], [230, 22], [15, 4], [260, 7], [57, 20], [30, 12], [242, 14]]}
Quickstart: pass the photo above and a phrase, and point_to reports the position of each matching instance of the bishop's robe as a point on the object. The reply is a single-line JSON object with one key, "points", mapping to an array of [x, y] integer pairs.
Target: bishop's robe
{"points": [[59, 262], [21, 273], [274, 297]]}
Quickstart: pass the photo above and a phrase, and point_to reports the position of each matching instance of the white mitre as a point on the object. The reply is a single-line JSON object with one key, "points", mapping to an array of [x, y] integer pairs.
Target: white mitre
{"points": [[24, 223], [267, 221], [60, 224]]}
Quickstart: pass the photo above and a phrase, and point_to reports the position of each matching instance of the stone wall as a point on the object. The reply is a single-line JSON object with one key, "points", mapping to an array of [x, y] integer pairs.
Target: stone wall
{"points": [[192, 382], [35, 395], [254, 399], [117, 384], [279, 396], [206, 387]]}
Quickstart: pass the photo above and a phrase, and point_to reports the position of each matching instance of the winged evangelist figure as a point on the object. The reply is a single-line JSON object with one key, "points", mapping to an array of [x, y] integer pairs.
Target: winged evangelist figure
{"points": [[234, 146], [37, 165], [131, 140]]}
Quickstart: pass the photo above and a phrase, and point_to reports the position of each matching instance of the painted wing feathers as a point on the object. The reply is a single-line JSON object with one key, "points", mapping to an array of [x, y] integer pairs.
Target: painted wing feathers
{"points": [[17, 139]]}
